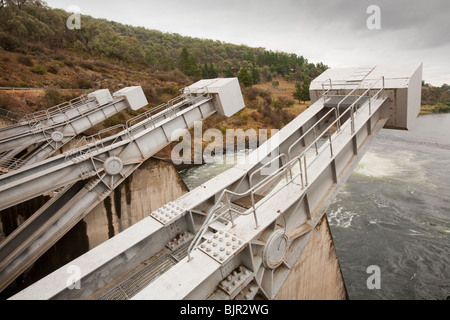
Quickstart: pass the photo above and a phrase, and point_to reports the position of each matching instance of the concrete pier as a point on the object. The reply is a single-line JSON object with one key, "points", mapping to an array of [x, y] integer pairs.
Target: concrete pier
{"points": [[317, 274], [154, 184]]}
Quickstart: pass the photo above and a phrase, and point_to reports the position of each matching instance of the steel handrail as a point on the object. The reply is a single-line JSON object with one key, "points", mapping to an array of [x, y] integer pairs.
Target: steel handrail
{"points": [[211, 216], [270, 162], [323, 88], [10, 115], [169, 106], [351, 109], [347, 96], [55, 110], [130, 127], [309, 130]]}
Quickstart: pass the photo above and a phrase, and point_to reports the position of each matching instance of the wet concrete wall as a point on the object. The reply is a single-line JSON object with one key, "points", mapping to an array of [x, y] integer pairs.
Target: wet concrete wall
{"points": [[317, 274], [154, 184]]}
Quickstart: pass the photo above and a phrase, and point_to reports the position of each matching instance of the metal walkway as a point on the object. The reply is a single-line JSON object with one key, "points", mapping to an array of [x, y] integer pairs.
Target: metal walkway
{"points": [[267, 239], [87, 175], [39, 135], [248, 226]]}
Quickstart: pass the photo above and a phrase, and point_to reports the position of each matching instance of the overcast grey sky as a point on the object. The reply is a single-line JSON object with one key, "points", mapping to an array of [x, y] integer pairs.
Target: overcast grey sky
{"points": [[333, 32]]}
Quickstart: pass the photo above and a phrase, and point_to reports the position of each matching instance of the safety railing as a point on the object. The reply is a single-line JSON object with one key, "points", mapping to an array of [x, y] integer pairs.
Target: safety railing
{"points": [[98, 141], [59, 109], [169, 108], [286, 170], [10, 115], [350, 94], [11, 164], [314, 129], [324, 93]]}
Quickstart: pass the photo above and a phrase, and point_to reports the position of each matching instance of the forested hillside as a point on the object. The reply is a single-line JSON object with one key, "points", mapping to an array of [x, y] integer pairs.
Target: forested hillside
{"points": [[30, 26]]}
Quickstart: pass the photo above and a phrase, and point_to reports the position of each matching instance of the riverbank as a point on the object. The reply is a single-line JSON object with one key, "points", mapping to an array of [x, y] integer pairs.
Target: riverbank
{"points": [[432, 109]]}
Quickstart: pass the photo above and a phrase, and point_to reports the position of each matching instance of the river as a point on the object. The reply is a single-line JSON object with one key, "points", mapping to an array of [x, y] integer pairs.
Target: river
{"points": [[393, 213]]}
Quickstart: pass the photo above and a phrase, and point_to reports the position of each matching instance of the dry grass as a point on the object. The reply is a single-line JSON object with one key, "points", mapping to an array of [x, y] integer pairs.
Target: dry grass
{"points": [[284, 90]]}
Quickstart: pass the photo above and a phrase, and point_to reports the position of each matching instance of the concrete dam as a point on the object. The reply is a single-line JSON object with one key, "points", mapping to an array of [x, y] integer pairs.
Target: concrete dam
{"points": [[257, 231]]}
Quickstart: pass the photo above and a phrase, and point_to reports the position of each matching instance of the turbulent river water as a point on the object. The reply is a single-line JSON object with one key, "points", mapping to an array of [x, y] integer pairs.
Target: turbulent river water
{"points": [[393, 213]]}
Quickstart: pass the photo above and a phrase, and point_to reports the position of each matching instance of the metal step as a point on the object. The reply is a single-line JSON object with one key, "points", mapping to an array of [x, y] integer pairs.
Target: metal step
{"points": [[344, 101]]}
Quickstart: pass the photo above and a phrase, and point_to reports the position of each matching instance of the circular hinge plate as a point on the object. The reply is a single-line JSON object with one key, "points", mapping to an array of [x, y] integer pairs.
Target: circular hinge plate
{"points": [[275, 249], [113, 166], [57, 136]]}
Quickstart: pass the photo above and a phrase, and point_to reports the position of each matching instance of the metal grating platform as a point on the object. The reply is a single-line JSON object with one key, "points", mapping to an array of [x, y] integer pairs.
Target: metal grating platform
{"points": [[145, 274]]}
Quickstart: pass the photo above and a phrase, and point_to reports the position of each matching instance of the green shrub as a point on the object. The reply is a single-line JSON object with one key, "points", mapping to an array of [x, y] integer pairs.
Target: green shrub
{"points": [[54, 97], [25, 60], [84, 84], [39, 70], [442, 107], [22, 84], [9, 42], [53, 69], [69, 63], [282, 103], [87, 65]]}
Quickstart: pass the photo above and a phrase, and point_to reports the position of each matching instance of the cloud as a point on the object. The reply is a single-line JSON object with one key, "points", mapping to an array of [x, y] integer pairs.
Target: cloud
{"points": [[333, 32]]}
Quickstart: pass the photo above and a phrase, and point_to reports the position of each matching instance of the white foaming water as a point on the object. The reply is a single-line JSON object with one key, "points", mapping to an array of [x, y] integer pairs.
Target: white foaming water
{"points": [[385, 164], [400, 190], [376, 165], [341, 218]]}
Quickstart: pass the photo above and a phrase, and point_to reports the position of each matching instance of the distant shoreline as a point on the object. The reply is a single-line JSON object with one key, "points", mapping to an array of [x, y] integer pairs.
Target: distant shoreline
{"points": [[438, 108]]}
